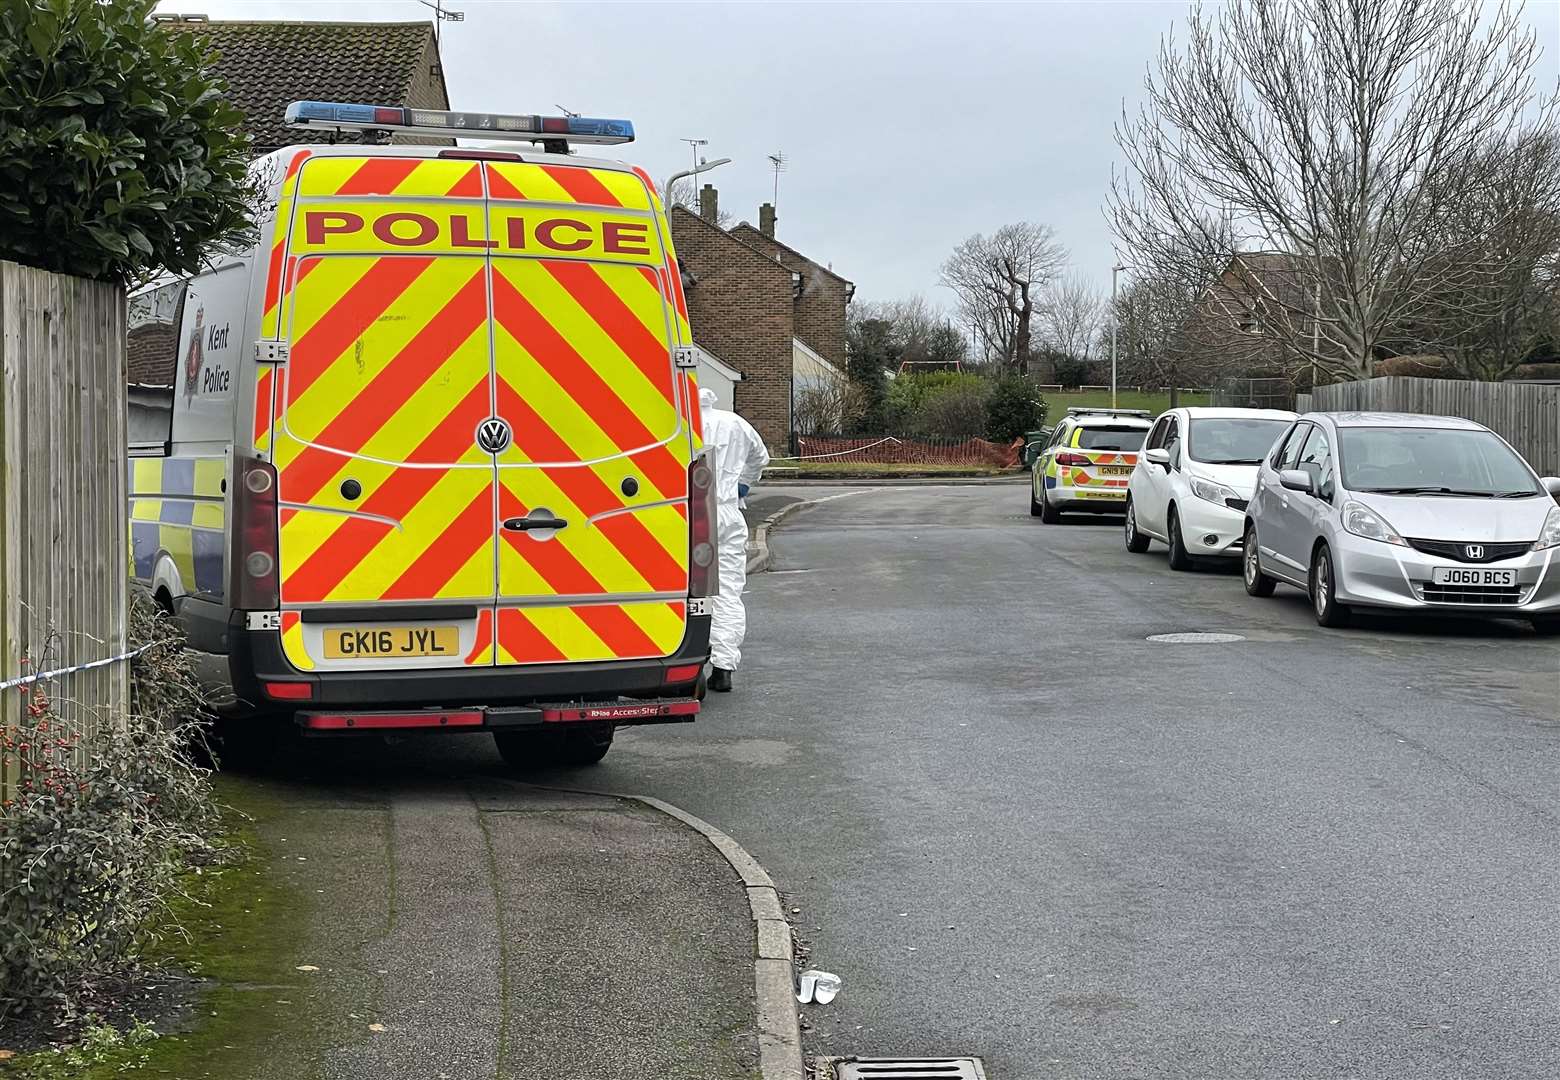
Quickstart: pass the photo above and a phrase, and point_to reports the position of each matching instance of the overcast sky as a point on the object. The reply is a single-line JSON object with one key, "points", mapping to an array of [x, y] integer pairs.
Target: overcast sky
{"points": [[906, 126]]}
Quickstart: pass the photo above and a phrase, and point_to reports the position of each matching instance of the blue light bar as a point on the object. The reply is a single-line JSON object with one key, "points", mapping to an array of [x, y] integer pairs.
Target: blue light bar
{"points": [[618, 130], [340, 116]]}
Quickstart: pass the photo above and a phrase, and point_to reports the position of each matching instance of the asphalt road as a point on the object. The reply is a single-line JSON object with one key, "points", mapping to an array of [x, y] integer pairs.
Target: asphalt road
{"points": [[1017, 829]]}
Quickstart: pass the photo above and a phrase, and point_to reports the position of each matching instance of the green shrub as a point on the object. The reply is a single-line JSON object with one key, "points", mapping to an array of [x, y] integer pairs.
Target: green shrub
{"points": [[1014, 407], [99, 829], [119, 152]]}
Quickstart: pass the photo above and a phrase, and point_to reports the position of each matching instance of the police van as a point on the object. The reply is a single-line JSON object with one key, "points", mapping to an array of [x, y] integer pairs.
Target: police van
{"points": [[431, 457]]}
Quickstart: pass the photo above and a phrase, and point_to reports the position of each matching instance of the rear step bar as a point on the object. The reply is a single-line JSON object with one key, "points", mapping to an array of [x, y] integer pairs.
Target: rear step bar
{"points": [[659, 711]]}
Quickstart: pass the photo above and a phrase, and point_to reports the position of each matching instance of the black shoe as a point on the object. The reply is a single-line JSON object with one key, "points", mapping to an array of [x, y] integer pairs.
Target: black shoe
{"points": [[720, 680]]}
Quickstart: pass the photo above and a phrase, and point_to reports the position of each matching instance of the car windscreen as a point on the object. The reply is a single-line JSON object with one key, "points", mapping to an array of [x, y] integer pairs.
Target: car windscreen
{"points": [[1111, 438], [1432, 461], [1222, 440]]}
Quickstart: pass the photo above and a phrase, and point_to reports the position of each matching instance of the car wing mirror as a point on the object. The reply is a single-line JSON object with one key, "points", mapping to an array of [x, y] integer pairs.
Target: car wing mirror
{"points": [[1297, 480], [1551, 485], [1157, 456]]}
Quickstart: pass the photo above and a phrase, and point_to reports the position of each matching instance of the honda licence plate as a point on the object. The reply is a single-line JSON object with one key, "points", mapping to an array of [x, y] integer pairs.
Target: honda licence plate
{"points": [[1458, 575], [390, 642]]}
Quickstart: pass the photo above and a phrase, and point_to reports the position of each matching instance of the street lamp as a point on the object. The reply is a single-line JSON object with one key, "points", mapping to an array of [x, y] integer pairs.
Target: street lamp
{"points": [[1114, 318], [701, 167]]}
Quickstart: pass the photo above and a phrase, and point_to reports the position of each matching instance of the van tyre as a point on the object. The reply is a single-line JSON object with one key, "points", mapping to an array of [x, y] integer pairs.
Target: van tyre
{"points": [[1136, 542], [1257, 583], [1179, 559], [528, 750], [1324, 590]]}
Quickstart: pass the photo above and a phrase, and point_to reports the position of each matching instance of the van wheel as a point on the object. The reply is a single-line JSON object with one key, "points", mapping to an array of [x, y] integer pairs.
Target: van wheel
{"points": [[527, 750], [1179, 559], [1257, 583], [1324, 590], [1137, 543]]}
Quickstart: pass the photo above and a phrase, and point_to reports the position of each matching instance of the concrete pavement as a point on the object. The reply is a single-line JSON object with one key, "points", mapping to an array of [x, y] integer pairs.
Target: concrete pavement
{"points": [[1018, 829], [463, 925]]}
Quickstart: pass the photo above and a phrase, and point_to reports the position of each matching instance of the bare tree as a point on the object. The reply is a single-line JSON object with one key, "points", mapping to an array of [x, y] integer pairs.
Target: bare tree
{"points": [[998, 280], [1070, 314], [829, 404], [1308, 128], [1508, 227]]}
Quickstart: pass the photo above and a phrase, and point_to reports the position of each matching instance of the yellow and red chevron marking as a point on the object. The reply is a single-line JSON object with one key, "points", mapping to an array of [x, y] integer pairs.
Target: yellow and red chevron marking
{"points": [[583, 632], [584, 375], [408, 177], [387, 382], [516, 182], [1079, 477], [481, 654], [271, 309], [292, 642]]}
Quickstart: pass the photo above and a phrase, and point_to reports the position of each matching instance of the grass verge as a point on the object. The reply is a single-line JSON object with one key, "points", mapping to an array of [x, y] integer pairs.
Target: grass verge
{"points": [[240, 941]]}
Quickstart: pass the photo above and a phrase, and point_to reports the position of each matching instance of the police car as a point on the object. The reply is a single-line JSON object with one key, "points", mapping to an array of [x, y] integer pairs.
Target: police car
{"points": [[432, 460], [1088, 462]]}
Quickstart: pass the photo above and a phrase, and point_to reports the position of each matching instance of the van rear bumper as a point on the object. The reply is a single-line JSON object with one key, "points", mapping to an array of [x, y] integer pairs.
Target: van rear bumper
{"points": [[257, 658]]}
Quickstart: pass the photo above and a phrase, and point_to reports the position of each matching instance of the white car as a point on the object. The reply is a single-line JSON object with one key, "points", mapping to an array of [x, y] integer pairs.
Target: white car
{"points": [[1195, 476]]}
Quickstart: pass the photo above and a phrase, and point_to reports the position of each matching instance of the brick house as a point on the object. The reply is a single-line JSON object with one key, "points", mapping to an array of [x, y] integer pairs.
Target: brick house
{"points": [[761, 308]]}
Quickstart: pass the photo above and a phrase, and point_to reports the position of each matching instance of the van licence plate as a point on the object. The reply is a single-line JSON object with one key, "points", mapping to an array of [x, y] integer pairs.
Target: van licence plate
{"points": [[390, 642], [1457, 575]]}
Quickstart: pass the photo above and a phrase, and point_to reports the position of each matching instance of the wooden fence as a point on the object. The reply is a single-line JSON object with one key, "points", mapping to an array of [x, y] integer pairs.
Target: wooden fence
{"points": [[1527, 415], [63, 532]]}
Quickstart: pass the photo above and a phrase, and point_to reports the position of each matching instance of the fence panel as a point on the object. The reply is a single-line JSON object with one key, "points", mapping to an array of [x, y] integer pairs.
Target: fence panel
{"points": [[1527, 415], [63, 534]]}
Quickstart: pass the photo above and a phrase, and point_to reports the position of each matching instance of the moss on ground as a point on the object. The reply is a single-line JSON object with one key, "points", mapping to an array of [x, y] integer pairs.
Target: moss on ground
{"points": [[241, 923]]}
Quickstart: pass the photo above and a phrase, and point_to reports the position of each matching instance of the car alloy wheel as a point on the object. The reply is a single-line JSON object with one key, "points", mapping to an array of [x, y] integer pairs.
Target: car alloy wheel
{"points": [[1324, 585], [1257, 583], [1137, 543], [1179, 559]]}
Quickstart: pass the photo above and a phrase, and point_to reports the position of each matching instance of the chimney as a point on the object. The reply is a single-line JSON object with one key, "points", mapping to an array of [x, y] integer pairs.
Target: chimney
{"points": [[709, 204], [766, 220]]}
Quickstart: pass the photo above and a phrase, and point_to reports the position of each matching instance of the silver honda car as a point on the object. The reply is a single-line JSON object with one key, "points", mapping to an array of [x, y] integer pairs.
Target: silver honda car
{"points": [[1401, 512]]}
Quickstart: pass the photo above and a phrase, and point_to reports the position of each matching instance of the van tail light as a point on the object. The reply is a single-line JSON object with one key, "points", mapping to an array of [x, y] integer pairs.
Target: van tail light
{"points": [[703, 564], [1073, 459], [256, 584]]}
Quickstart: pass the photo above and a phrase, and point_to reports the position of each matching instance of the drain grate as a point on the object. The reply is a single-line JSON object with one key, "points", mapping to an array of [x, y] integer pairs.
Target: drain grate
{"points": [[1194, 638], [964, 1068]]}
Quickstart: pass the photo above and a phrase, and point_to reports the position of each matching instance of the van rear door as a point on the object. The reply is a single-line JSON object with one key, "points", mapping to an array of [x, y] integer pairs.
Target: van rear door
{"points": [[592, 548], [387, 501]]}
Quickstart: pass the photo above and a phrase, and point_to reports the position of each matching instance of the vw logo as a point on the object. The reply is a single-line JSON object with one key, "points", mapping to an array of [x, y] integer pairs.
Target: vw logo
{"points": [[1474, 551], [493, 435]]}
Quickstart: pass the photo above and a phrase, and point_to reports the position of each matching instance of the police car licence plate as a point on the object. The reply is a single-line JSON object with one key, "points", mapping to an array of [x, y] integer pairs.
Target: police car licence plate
{"points": [[1457, 575], [1115, 470], [390, 643]]}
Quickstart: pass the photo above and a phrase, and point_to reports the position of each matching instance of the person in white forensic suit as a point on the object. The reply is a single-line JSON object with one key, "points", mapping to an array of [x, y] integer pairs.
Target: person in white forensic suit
{"points": [[739, 457]]}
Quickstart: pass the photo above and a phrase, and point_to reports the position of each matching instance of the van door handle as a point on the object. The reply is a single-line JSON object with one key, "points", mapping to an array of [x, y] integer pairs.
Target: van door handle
{"points": [[526, 524]]}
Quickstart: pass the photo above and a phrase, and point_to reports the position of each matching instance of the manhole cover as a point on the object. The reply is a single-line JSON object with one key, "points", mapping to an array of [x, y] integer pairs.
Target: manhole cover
{"points": [[1194, 638], [964, 1068]]}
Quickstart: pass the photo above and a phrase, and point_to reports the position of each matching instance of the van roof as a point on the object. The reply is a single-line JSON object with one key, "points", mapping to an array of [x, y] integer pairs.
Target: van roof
{"points": [[502, 152]]}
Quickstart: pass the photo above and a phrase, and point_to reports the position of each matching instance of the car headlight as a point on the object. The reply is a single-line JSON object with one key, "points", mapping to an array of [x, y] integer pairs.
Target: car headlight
{"points": [[1361, 520], [1208, 491], [1549, 535]]}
